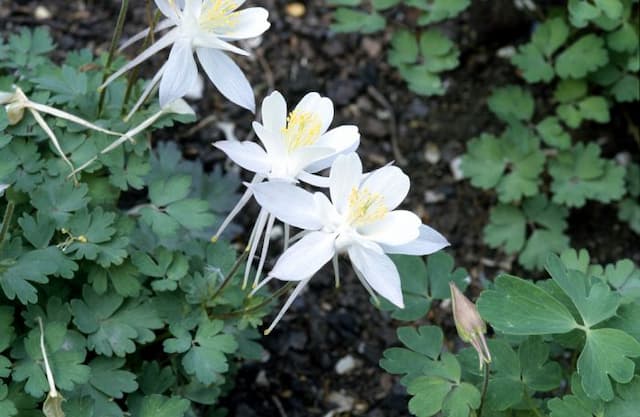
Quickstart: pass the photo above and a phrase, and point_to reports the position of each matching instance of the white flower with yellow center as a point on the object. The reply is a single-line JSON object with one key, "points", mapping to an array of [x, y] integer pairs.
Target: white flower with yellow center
{"points": [[295, 146], [360, 220], [204, 27]]}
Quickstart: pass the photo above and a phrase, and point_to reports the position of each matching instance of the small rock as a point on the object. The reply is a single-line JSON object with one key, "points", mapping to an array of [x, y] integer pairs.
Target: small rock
{"points": [[296, 9], [433, 197], [41, 13], [346, 364], [343, 402], [456, 170], [432, 153], [261, 379], [372, 47], [623, 158], [506, 52]]}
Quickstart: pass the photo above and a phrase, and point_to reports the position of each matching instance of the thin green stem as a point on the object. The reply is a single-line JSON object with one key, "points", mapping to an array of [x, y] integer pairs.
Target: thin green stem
{"points": [[485, 386], [133, 75], [6, 220], [229, 276], [115, 39], [257, 307], [533, 407]]}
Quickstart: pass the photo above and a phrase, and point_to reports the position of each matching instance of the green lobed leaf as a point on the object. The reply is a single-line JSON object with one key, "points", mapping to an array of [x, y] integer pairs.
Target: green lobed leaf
{"points": [[207, 359], [439, 10], [422, 284], [627, 400], [581, 174], [111, 325], [593, 299], [33, 266], [606, 354], [516, 306], [576, 404], [107, 377], [350, 20], [160, 406], [585, 55], [512, 103]]}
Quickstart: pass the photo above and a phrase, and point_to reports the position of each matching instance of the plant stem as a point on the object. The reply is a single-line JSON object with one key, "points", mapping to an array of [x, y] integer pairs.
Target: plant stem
{"points": [[256, 307], [485, 386], [133, 75], [229, 276], [533, 406], [117, 33], [6, 220]]}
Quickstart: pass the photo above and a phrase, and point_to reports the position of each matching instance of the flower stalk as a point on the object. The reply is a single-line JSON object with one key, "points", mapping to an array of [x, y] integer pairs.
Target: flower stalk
{"points": [[6, 221], [115, 39], [52, 406]]}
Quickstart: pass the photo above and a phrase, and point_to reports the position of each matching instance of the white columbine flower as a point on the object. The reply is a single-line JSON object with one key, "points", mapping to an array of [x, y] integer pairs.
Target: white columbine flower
{"points": [[294, 147], [204, 27], [358, 220]]}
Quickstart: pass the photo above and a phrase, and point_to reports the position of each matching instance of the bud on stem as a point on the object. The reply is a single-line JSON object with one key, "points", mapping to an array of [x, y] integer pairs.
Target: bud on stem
{"points": [[471, 328]]}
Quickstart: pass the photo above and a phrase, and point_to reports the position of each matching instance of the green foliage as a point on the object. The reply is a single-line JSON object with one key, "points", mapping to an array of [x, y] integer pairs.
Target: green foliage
{"points": [[629, 209], [108, 261], [519, 307], [588, 57], [422, 284], [580, 174], [420, 60], [585, 311], [532, 230], [432, 378], [420, 57]]}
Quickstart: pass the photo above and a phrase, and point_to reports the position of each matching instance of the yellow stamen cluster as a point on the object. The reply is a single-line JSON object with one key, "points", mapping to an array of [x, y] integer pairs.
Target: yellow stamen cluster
{"points": [[365, 207], [218, 14], [303, 129]]}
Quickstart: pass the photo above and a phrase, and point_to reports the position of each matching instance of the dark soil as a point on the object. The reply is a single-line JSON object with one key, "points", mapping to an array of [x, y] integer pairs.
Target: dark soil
{"points": [[301, 54]]}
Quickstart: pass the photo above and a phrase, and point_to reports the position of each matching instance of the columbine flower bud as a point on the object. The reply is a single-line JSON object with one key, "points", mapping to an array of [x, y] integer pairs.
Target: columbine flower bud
{"points": [[471, 328]]}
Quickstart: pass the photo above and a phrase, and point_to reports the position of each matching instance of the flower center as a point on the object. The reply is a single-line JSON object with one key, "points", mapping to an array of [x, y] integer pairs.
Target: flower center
{"points": [[218, 14], [365, 207], [303, 129]]}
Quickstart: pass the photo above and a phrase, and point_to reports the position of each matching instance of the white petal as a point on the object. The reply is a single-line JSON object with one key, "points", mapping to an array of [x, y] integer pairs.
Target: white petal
{"points": [[274, 112], [390, 182], [160, 44], [145, 93], [227, 77], [180, 73], [296, 291], [304, 157], [162, 25], [346, 173], [192, 7], [313, 179], [272, 142], [167, 9], [179, 106], [395, 228], [322, 106], [429, 241], [249, 155], [344, 139], [247, 23], [305, 258], [288, 203], [379, 271], [210, 40]]}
